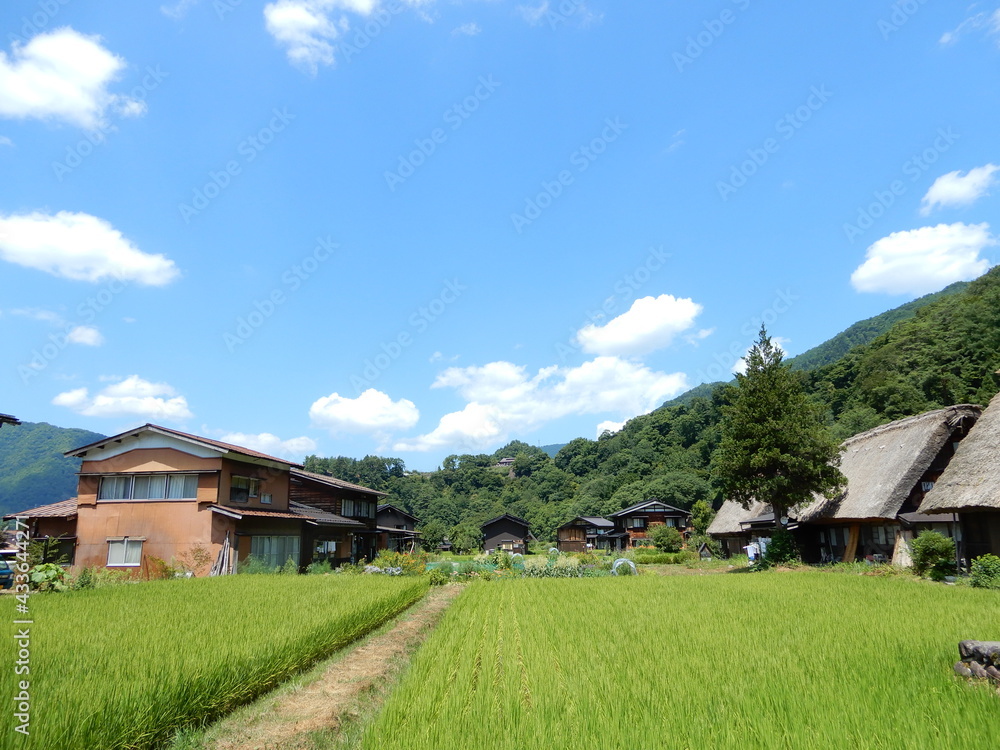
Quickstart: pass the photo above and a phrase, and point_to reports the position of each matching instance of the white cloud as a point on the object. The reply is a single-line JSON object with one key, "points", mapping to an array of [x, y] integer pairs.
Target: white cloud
{"points": [[85, 335], [609, 426], [699, 335], [79, 246], [503, 399], [924, 260], [60, 75], [957, 189], [741, 364], [5, 141], [179, 9], [650, 324], [532, 14], [265, 442], [984, 20], [372, 412], [37, 313], [469, 29], [131, 397]]}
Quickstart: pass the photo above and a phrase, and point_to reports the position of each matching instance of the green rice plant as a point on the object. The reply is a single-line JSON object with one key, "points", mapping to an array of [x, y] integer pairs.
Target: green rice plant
{"points": [[128, 666], [775, 660]]}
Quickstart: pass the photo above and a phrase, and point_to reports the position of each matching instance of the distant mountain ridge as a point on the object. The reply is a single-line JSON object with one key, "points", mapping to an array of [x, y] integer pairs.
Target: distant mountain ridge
{"points": [[34, 470]]}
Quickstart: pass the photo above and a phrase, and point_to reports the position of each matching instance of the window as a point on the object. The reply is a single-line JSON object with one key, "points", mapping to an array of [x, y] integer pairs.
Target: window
{"points": [[358, 509], [274, 551], [149, 487], [241, 489], [265, 498], [125, 552], [347, 508], [927, 486], [114, 488], [636, 523]]}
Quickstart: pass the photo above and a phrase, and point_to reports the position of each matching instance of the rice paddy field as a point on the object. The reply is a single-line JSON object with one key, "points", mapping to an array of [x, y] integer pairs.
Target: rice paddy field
{"points": [[770, 660], [125, 667]]}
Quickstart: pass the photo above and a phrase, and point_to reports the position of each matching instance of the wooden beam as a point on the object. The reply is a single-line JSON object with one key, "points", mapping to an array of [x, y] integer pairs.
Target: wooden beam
{"points": [[852, 543]]}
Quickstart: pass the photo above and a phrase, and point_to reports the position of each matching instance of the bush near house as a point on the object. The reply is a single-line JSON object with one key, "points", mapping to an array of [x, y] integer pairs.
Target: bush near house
{"points": [[933, 555], [985, 572]]}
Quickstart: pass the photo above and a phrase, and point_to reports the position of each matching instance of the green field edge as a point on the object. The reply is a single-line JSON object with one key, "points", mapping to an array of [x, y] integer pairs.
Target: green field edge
{"points": [[358, 714]]}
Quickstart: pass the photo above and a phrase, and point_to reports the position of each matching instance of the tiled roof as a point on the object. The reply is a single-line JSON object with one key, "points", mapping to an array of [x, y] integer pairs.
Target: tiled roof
{"points": [[334, 482], [229, 447], [322, 516], [296, 512], [62, 509]]}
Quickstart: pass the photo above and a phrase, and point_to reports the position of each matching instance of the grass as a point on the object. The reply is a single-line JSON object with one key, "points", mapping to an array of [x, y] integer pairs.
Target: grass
{"points": [[127, 667], [766, 660]]}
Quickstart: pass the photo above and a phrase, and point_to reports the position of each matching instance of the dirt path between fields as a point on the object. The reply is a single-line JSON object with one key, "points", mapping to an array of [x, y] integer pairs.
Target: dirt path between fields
{"points": [[289, 721]]}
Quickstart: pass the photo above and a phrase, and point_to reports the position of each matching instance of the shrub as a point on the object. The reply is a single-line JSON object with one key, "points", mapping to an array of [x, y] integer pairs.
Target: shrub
{"points": [[319, 568], [933, 555], [438, 577], [985, 572], [290, 568], [84, 580], [48, 577], [667, 538], [781, 549]]}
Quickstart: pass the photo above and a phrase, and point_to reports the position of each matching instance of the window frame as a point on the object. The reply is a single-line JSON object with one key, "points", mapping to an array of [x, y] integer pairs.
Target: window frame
{"points": [[126, 541], [127, 493]]}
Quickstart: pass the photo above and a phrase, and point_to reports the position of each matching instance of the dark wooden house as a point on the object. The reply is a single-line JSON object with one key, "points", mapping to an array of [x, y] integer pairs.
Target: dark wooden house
{"points": [[633, 523], [396, 529], [506, 532], [348, 531], [584, 533]]}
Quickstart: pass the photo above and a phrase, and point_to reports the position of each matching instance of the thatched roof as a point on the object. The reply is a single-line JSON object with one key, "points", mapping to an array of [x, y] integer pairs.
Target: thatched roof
{"points": [[883, 465], [731, 514], [972, 479]]}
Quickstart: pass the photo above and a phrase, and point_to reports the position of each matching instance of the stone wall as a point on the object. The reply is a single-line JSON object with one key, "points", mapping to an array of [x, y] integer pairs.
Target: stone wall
{"points": [[980, 659]]}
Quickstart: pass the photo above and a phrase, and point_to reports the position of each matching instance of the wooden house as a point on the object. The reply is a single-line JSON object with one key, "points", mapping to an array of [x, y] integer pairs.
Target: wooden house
{"points": [[396, 529], [506, 532], [8, 419], [584, 533], [632, 524], [154, 492], [889, 470], [54, 525], [970, 488]]}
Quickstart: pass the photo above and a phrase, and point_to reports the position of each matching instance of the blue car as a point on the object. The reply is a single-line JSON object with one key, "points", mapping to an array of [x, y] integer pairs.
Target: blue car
{"points": [[6, 574]]}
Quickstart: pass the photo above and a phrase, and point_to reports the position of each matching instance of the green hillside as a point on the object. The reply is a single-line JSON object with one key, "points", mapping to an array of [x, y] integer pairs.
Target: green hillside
{"points": [[865, 331], [35, 472]]}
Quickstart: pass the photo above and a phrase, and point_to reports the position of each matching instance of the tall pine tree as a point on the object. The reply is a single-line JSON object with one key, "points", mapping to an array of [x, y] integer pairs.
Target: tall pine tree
{"points": [[774, 446]]}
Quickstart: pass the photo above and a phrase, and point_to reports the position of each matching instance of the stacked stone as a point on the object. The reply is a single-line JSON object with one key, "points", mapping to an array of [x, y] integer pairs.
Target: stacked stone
{"points": [[980, 659]]}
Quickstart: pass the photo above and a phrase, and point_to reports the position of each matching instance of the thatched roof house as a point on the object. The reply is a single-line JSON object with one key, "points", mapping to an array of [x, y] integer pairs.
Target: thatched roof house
{"points": [[731, 524], [884, 465], [970, 486]]}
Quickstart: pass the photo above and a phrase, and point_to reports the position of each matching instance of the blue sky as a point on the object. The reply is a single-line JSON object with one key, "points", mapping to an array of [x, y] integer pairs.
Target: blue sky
{"points": [[418, 227]]}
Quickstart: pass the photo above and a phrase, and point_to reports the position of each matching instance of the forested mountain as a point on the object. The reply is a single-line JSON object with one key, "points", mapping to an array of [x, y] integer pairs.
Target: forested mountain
{"points": [[865, 331], [35, 472], [933, 352]]}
